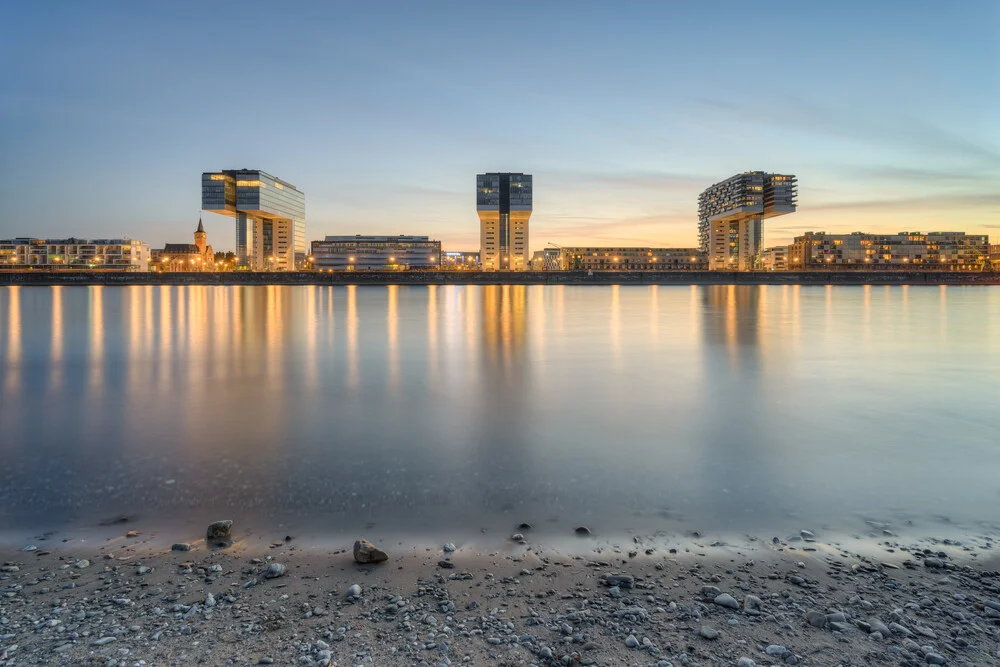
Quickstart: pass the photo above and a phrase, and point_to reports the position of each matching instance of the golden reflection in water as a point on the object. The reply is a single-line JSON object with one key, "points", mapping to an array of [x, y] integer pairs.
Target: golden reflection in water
{"points": [[311, 295], [732, 331], [352, 336], [132, 313], [432, 334], [330, 316], [536, 318], [274, 335], [13, 361], [96, 357], [58, 339], [147, 330], [504, 327], [392, 331], [471, 324], [164, 343], [615, 326]]}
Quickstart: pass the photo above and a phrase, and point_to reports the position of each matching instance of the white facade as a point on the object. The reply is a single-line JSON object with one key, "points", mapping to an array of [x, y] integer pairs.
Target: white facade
{"points": [[74, 253]]}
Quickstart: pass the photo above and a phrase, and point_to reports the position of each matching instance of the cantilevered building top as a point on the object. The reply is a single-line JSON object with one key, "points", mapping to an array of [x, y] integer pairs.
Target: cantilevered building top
{"points": [[752, 194]]}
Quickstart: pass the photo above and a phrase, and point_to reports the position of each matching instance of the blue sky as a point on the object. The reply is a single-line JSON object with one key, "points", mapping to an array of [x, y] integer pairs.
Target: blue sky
{"points": [[383, 113]]}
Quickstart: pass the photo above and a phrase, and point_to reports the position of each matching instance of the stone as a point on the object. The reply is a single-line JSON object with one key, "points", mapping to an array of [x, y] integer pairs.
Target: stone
{"points": [[775, 649], [275, 570], [898, 629], [619, 580], [752, 603], [446, 564], [180, 546], [354, 591], [727, 600], [524, 526], [366, 552], [817, 619], [708, 633], [582, 531], [449, 548], [879, 626], [82, 563], [632, 642], [220, 533], [745, 662], [935, 563], [807, 534], [935, 659]]}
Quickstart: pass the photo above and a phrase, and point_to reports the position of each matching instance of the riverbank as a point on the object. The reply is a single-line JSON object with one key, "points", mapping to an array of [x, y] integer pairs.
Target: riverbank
{"points": [[48, 278], [796, 599]]}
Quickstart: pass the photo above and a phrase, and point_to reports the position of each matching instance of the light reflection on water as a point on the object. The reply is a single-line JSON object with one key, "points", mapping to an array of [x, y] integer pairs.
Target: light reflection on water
{"points": [[718, 407]]}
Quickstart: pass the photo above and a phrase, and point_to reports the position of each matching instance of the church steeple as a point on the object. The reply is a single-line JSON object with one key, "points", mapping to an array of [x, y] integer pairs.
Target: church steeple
{"points": [[201, 238]]}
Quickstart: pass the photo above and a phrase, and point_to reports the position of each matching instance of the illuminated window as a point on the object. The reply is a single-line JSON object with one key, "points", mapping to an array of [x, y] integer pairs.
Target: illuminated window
{"points": [[218, 177]]}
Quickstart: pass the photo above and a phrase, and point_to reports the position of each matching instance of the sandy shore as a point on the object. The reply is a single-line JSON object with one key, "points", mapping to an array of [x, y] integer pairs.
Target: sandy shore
{"points": [[794, 600]]}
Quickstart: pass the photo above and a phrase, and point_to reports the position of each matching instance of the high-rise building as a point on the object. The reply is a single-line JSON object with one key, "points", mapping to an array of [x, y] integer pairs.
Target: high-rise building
{"points": [[503, 202], [730, 215], [270, 217]]}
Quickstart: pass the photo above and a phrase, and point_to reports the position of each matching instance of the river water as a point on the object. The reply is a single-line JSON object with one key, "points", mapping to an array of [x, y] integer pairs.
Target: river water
{"points": [[452, 410]]}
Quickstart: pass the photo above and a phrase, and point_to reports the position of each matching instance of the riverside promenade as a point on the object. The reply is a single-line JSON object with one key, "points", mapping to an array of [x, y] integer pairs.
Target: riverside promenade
{"points": [[48, 278]]}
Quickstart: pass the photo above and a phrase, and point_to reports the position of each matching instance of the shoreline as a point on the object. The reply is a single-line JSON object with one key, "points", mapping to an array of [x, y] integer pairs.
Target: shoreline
{"points": [[680, 278], [799, 599]]}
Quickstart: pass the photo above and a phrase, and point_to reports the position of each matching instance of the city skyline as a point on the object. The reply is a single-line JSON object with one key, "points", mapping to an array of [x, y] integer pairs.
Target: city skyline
{"points": [[621, 125]]}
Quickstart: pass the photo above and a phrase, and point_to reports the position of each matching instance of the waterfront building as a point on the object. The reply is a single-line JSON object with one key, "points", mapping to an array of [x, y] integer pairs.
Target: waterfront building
{"points": [[376, 253], [458, 260], [270, 217], [953, 251], [503, 202], [197, 256], [995, 257], [774, 259], [545, 260], [74, 253], [731, 214], [632, 259]]}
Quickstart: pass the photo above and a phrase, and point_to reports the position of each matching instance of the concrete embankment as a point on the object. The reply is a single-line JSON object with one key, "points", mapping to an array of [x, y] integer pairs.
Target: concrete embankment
{"points": [[489, 278]]}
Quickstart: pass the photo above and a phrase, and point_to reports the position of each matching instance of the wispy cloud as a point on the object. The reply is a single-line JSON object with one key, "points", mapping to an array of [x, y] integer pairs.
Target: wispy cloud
{"points": [[946, 200]]}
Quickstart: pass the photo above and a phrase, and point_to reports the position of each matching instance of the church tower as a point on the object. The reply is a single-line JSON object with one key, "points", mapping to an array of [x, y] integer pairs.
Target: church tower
{"points": [[201, 238]]}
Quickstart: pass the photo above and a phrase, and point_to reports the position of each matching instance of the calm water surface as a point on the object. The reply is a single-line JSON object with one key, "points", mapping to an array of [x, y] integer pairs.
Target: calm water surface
{"points": [[451, 409]]}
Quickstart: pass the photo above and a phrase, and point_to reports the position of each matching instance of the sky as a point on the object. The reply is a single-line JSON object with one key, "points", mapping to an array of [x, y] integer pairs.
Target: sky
{"points": [[384, 112]]}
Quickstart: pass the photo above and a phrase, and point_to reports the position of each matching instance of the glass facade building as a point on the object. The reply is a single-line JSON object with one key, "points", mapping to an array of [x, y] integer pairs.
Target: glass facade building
{"points": [[376, 253], [731, 213], [270, 216], [503, 202], [632, 259]]}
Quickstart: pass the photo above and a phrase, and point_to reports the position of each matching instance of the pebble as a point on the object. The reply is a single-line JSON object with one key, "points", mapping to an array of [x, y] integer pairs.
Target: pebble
{"points": [[935, 659], [775, 649], [366, 552], [620, 580], [582, 531], [632, 642], [446, 564], [727, 600], [817, 619], [219, 532], [449, 548], [275, 570], [104, 640], [82, 563], [708, 633], [354, 591], [180, 546]]}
